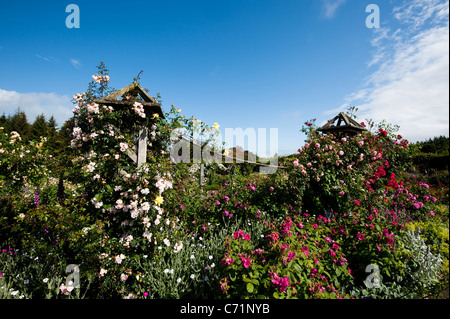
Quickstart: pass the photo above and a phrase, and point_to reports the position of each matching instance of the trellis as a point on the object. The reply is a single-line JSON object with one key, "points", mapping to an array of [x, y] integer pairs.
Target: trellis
{"points": [[343, 125], [151, 106]]}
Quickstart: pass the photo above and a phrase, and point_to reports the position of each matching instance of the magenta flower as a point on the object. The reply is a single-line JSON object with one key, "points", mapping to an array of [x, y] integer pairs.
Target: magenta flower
{"points": [[360, 236], [291, 255], [247, 237], [357, 202], [418, 205], [281, 283]]}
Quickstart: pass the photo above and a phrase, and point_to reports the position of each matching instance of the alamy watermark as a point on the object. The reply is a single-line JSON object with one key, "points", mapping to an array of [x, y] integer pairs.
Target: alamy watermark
{"points": [[373, 19], [191, 150], [373, 280], [73, 19]]}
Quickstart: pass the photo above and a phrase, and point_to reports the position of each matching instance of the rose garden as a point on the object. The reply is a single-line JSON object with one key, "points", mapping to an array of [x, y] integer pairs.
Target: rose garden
{"points": [[344, 217]]}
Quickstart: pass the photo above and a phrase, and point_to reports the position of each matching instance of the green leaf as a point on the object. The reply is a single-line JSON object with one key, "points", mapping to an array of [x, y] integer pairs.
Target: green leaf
{"points": [[250, 287], [276, 295]]}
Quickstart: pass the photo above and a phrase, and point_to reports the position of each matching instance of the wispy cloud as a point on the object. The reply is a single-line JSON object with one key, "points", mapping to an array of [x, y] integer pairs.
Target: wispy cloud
{"points": [[329, 7], [33, 104], [409, 85], [76, 63], [47, 58]]}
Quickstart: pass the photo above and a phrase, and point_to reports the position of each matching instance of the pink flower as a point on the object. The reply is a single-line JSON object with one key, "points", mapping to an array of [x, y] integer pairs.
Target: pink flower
{"points": [[361, 143], [305, 250], [247, 237], [341, 193], [315, 226], [417, 205], [281, 283], [303, 172], [357, 202], [295, 163], [341, 152], [271, 189], [360, 236], [291, 255], [317, 145], [238, 234], [335, 246], [328, 239], [245, 260]]}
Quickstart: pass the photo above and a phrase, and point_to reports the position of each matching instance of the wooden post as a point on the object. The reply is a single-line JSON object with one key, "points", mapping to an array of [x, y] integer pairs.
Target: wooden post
{"points": [[202, 173], [142, 146]]}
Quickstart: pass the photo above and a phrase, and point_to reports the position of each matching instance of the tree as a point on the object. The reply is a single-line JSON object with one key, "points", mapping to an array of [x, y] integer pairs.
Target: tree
{"points": [[5, 122], [39, 128], [19, 123]]}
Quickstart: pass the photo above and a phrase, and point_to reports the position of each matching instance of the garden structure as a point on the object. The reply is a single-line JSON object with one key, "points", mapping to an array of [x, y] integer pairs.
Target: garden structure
{"points": [[129, 94], [343, 125]]}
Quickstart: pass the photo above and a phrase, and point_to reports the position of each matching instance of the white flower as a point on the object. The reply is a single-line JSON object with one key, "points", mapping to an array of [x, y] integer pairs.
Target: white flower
{"points": [[147, 235], [178, 246], [123, 147], [192, 256], [145, 191], [119, 203], [45, 280], [119, 259], [192, 276], [134, 213], [178, 280], [145, 206], [92, 108], [166, 242]]}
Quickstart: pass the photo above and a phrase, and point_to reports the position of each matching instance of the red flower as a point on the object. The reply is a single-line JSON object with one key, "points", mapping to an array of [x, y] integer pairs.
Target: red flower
{"points": [[357, 202]]}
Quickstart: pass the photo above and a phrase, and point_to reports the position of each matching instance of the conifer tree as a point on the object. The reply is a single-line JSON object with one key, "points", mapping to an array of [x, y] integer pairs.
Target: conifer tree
{"points": [[19, 123], [38, 128]]}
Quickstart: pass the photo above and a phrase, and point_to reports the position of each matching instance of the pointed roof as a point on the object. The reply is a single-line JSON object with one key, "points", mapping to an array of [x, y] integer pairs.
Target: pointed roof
{"points": [[342, 123], [151, 105]]}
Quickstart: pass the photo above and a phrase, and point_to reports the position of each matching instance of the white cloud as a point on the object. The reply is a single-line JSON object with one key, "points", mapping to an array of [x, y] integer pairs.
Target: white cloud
{"points": [[33, 104], [410, 84], [330, 7], [47, 58], [76, 63]]}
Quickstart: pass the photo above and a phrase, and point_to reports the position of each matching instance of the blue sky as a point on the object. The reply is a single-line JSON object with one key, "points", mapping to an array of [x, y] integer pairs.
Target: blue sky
{"points": [[241, 63]]}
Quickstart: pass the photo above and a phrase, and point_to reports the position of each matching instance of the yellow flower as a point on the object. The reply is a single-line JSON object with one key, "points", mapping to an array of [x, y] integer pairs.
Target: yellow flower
{"points": [[178, 110], [155, 115], [158, 200], [216, 126]]}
